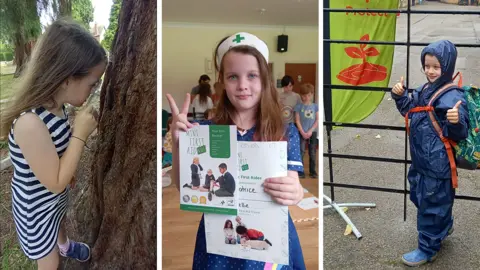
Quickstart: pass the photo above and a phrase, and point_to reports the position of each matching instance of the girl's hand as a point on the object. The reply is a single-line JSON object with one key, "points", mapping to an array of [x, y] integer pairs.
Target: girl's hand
{"points": [[179, 119], [398, 88], [452, 114], [284, 190], [85, 123]]}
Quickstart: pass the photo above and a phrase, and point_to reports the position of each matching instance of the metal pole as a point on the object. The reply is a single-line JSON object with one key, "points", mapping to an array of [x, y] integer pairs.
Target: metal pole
{"points": [[406, 135], [327, 93], [344, 216]]}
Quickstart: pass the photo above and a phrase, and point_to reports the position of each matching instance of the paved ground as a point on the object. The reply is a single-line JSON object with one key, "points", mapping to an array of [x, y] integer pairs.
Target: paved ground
{"points": [[386, 235]]}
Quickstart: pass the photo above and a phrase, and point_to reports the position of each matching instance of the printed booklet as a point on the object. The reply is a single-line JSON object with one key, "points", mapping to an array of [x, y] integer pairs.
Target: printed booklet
{"points": [[260, 229], [208, 174]]}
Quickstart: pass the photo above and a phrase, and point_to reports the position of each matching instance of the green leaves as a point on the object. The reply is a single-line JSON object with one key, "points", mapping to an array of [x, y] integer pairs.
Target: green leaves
{"points": [[82, 12], [107, 41]]}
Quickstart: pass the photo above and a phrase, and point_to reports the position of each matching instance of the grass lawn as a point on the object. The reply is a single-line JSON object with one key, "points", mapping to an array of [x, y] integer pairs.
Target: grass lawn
{"points": [[6, 82]]}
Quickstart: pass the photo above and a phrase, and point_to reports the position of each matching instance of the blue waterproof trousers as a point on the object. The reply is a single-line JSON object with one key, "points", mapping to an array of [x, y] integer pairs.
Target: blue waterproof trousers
{"points": [[434, 201]]}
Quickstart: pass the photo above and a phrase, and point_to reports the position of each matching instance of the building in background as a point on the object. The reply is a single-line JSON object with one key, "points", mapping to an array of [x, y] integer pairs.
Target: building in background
{"points": [[98, 31]]}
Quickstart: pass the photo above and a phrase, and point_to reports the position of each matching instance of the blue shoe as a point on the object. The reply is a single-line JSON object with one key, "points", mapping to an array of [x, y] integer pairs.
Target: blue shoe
{"points": [[77, 250], [417, 258]]}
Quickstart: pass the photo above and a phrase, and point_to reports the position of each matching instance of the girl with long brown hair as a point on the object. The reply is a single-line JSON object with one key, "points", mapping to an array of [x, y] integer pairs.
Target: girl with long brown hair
{"points": [[202, 101], [250, 102], [66, 65]]}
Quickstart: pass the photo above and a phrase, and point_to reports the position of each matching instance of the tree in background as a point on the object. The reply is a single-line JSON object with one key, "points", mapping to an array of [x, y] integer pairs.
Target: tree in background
{"points": [[65, 8], [20, 25], [82, 12], [20, 22], [107, 41], [114, 204], [6, 51]]}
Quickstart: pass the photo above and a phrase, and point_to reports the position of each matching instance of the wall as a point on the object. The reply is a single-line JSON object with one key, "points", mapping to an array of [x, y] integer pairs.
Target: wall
{"points": [[185, 47]]}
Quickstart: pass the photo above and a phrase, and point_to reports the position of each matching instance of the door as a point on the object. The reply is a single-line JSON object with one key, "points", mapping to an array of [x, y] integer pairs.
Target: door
{"points": [[302, 73]]}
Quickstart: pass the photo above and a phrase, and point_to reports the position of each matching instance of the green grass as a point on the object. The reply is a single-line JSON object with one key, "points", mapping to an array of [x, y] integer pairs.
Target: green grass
{"points": [[3, 145], [6, 89], [13, 257]]}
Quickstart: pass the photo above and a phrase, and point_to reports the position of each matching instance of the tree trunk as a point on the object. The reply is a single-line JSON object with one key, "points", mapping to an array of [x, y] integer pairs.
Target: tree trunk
{"points": [[20, 56], [65, 8], [114, 210]]}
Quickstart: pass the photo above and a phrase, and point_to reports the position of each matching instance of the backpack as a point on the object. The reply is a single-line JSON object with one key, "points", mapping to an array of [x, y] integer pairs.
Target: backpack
{"points": [[466, 153]]}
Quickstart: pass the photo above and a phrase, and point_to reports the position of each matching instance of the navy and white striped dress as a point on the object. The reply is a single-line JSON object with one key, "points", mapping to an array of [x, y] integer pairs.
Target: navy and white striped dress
{"points": [[37, 212]]}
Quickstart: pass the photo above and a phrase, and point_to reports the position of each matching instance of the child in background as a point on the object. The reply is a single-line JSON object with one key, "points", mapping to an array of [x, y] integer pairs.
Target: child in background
{"points": [[288, 99], [251, 103], [202, 101], [167, 145], [430, 178], [306, 118]]}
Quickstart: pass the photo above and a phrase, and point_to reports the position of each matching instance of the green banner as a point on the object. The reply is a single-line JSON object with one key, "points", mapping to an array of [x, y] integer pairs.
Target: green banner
{"points": [[360, 64]]}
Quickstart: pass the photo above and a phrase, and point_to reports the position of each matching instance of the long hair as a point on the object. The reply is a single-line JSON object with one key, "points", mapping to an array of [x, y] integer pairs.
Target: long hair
{"points": [[204, 91], [65, 50], [169, 122], [269, 125], [226, 224]]}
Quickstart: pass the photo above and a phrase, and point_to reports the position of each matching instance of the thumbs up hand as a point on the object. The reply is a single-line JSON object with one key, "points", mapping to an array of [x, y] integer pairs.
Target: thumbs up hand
{"points": [[398, 88], [452, 114]]}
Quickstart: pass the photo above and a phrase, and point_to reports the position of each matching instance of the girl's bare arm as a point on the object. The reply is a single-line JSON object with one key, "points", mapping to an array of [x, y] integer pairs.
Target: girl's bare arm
{"points": [[40, 153]]}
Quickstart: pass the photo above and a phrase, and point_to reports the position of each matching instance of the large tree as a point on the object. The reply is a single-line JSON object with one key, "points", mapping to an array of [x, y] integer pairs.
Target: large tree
{"points": [[20, 26], [113, 207]]}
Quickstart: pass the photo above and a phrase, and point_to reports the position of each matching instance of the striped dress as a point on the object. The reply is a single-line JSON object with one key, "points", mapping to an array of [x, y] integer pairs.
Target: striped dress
{"points": [[37, 212]]}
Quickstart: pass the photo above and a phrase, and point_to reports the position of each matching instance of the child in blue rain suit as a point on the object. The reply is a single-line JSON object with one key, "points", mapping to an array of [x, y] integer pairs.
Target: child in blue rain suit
{"points": [[429, 176]]}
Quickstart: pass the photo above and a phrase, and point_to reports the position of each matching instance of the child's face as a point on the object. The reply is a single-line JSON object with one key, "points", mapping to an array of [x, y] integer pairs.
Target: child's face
{"points": [[242, 81], [289, 87], [209, 172], [306, 98], [78, 90], [432, 68]]}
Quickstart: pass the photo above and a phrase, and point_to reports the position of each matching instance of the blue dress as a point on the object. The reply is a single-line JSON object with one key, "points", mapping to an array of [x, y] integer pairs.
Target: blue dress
{"points": [[203, 260]]}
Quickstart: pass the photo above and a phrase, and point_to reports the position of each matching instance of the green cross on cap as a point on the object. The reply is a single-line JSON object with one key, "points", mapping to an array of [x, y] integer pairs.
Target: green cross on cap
{"points": [[238, 39]]}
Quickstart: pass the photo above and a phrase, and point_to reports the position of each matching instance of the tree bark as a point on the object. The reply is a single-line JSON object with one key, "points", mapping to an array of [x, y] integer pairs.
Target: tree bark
{"points": [[65, 8], [20, 55], [114, 210]]}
